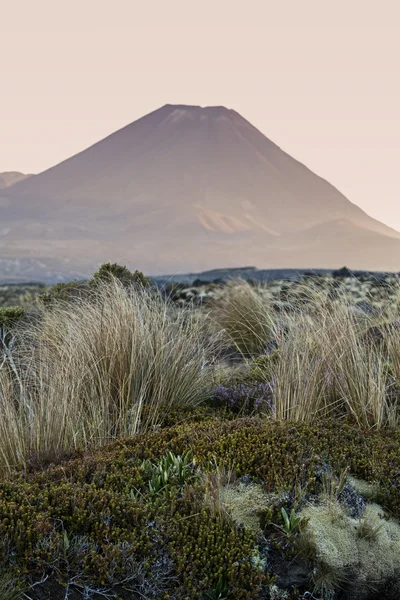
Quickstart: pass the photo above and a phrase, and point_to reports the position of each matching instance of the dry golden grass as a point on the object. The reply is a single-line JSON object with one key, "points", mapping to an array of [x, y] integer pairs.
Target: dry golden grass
{"points": [[244, 314], [325, 365], [302, 371], [97, 369], [113, 364]]}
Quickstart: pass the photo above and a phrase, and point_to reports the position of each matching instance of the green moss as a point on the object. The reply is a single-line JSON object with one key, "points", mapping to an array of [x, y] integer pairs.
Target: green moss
{"points": [[245, 503], [368, 551], [369, 491], [93, 498]]}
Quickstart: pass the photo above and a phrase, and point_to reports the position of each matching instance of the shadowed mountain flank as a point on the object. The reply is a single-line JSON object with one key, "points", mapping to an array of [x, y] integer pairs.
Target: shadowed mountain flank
{"points": [[187, 188]]}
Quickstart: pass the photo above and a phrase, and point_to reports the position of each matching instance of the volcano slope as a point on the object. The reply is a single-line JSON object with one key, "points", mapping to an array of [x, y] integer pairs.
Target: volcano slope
{"points": [[186, 188]]}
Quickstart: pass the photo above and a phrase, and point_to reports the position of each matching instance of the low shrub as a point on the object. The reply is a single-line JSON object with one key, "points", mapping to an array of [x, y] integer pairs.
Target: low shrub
{"points": [[10, 315], [244, 398], [85, 504], [110, 271], [84, 289], [64, 292]]}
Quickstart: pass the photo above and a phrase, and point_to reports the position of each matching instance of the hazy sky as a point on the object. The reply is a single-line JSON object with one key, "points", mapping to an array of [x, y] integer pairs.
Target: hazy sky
{"points": [[321, 78]]}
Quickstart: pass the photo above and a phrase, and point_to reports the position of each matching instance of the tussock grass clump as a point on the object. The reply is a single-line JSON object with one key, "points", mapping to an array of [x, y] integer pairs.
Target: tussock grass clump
{"points": [[245, 315], [104, 366], [368, 529], [327, 579], [361, 381], [300, 377], [323, 362], [325, 367]]}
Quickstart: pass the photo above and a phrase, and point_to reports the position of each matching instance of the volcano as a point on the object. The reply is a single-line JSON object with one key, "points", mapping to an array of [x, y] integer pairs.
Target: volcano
{"points": [[186, 188]]}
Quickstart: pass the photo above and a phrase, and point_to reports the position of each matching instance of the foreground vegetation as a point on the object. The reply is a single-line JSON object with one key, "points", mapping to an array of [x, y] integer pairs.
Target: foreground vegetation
{"points": [[248, 447]]}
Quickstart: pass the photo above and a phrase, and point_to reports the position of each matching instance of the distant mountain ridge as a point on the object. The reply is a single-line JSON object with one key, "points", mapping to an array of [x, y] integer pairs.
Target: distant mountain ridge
{"points": [[187, 189], [9, 178]]}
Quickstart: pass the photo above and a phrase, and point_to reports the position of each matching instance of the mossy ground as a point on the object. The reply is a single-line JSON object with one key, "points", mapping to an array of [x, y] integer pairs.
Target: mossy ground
{"points": [[92, 522]]}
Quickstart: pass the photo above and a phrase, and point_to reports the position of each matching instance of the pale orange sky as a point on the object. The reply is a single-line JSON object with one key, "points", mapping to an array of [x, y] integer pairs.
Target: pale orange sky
{"points": [[320, 78]]}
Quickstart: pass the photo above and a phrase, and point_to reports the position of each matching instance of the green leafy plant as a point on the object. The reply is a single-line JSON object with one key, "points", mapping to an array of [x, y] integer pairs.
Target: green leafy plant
{"points": [[291, 523], [169, 471]]}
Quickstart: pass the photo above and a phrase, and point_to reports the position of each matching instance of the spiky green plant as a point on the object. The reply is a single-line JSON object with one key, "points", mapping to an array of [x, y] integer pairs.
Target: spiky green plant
{"points": [[219, 591], [169, 471], [11, 588], [291, 523]]}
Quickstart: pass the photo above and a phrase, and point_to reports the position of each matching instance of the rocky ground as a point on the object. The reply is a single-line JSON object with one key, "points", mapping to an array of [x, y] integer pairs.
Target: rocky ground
{"points": [[367, 292]]}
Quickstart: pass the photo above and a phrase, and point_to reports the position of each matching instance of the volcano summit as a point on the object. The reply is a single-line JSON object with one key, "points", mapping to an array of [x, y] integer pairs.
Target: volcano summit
{"points": [[184, 189]]}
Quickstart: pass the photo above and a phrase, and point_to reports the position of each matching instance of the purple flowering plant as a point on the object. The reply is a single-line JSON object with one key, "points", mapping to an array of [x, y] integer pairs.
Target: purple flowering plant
{"points": [[245, 397]]}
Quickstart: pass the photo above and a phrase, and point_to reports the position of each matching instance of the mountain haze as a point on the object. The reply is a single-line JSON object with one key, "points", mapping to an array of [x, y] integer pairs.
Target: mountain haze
{"points": [[183, 189]]}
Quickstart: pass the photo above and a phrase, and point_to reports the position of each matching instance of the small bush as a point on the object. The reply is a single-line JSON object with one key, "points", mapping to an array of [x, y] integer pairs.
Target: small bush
{"points": [[81, 289], [110, 271], [64, 292], [10, 315]]}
